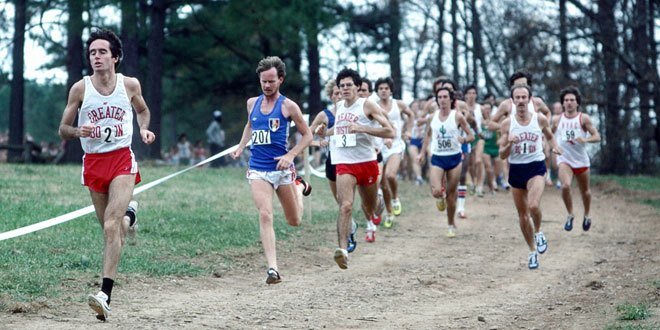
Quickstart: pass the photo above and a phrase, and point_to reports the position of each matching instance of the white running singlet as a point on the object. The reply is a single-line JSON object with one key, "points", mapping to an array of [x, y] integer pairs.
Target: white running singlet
{"points": [[444, 137], [573, 153], [351, 148], [112, 117], [398, 146], [529, 147]]}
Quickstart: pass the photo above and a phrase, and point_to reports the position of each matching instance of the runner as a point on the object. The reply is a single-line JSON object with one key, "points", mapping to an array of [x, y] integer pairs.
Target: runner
{"points": [[521, 143], [476, 166], [365, 91], [104, 103], [417, 138], [393, 148], [557, 110], [271, 168], [575, 129], [445, 141], [491, 149], [353, 153], [325, 120]]}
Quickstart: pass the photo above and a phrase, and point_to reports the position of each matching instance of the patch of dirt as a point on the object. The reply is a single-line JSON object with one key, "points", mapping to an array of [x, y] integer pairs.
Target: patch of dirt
{"points": [[412, 277]]}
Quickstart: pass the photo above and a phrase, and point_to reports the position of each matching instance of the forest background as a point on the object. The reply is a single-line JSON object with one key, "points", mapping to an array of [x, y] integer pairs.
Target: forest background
{"points": [[196, 56]]}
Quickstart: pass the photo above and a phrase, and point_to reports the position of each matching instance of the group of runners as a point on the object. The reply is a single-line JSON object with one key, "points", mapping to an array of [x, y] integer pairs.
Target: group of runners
{"points": [[366, 142]]}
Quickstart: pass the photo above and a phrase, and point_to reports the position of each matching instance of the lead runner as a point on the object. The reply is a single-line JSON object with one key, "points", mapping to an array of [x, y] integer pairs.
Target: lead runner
{"points": [[104, 103]]}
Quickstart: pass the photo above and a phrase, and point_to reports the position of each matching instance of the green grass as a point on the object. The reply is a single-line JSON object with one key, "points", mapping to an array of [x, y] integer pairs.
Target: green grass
{"points": [[186, 226], [631, 312], [648, 184], [644, 183]]}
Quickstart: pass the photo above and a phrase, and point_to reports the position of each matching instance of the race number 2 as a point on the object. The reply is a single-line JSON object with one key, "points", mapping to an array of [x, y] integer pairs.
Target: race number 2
{"points": [[107, 134]]}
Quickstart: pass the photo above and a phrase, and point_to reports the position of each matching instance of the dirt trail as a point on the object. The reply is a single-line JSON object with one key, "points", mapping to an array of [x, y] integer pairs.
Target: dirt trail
{"points": [[414, 277]]}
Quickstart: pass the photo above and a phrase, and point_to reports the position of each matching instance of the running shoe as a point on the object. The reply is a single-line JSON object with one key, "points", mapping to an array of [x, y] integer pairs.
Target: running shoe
{"points": [[568, 226], [389, 221], [419, 181], [341, 258], [505, 186], [371, 236], [558, 185], [480, 192], [451, 231], [533, 260], [461, 214], [472, 190], [273, 276], [352, 243], [541, 242], [441, 204], [396, 206], [307, 188], [131, 213], [99, 303], [586, 224]]}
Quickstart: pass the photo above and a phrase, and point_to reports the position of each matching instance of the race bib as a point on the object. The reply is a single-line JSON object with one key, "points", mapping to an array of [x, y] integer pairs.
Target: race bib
{"points": [[444, 144], [487, 134], [344, 140], [260, 137], [107, 134], [524, 148], [569, 135]]}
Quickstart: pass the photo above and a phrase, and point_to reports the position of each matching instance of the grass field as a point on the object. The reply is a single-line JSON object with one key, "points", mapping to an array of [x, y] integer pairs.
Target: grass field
{"points": [[648, 186], [187, 227]]}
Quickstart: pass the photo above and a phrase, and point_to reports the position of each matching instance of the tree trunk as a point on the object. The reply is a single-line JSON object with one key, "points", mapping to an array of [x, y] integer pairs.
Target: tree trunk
{"points": [[156, 45], [395, 47], [129, 64], [441, 31], [563, 44], [655, 88], [75, 64], [642, 53], [607, 37], [314, 78], [454, 40], [476, 42], [17, 97]]}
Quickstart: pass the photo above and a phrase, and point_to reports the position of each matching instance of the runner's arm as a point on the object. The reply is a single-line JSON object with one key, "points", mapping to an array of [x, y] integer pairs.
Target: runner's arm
{"points": [[66, 129]]}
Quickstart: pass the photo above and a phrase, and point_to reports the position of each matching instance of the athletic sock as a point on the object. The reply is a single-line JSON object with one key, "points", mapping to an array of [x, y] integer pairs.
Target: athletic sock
{"points": [[106, 287], [131, 216], [462, 190]]}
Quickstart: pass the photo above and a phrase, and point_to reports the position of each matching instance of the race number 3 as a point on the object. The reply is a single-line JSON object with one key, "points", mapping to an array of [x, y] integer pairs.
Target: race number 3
{"points": [[344, 140], [260, 137]]}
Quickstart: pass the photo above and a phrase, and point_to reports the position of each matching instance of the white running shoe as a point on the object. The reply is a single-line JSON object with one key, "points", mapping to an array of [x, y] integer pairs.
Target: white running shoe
{"points": [[396, 206], [451, 231], [341, 258], [541, 242], [132, 230], [533, 260], [99, 303]]}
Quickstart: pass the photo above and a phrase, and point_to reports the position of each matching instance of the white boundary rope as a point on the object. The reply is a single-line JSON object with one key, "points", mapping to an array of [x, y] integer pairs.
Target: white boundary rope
{"points": [[89, 209]]}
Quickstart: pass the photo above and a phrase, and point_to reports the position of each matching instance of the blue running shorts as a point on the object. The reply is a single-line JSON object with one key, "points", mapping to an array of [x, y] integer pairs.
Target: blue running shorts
{"points": [[519, 174], [446, 162]]}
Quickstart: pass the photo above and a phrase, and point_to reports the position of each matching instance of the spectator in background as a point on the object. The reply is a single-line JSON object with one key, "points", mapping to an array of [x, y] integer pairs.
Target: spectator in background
{"points": [[199, 152], [215, 137], [185, 151]]}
